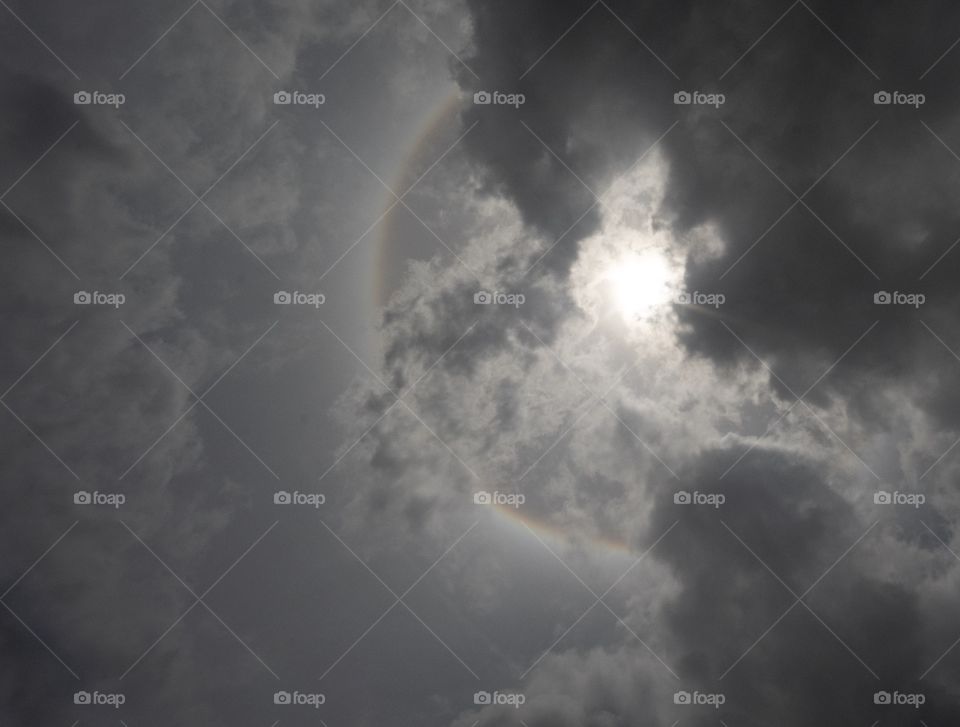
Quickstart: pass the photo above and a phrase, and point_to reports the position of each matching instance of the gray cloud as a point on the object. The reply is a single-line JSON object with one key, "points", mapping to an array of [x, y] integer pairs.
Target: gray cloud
{"points": [[598, 416]]}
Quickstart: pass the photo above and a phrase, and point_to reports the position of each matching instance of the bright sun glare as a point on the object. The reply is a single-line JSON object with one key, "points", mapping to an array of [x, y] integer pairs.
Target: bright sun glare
{"points": [[639, 283]]}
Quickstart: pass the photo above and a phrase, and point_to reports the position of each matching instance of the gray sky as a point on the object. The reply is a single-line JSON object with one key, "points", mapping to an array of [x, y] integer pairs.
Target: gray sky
{"points": [[618, 369]]}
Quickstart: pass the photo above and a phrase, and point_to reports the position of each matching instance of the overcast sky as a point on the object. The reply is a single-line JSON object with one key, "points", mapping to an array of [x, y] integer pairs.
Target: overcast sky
{"points": [[480, 363]]}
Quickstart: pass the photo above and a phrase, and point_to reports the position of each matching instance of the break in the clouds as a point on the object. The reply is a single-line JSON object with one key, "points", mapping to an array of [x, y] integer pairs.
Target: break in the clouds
{"points": [[485, 363]]}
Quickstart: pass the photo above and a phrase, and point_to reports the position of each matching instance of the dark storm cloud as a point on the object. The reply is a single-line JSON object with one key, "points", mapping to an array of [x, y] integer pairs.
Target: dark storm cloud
{"points": [[589, 103], [799, 530], [876, 212], [733, 625], [799, 100]]}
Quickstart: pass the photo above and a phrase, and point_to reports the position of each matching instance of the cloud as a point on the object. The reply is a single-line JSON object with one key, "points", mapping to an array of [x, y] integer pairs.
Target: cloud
{"points": [[807, 480], [596, 415]]}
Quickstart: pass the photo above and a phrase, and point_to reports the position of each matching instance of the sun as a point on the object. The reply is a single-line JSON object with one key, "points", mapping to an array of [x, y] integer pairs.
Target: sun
{"points": [[630, 271], [640, 283]]}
